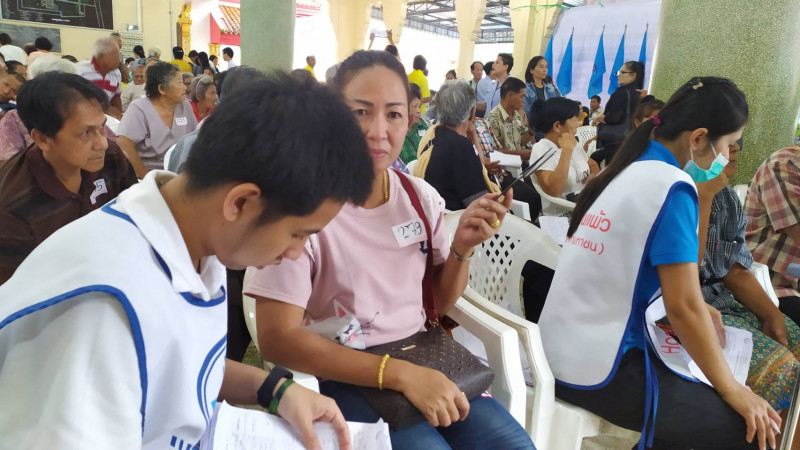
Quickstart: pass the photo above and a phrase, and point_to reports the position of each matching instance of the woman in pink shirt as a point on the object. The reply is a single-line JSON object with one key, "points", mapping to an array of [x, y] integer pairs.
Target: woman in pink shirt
{"points": [[359, 283]]}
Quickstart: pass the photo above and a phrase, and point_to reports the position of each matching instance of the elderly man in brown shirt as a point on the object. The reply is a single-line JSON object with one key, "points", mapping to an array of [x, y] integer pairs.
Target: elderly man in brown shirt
{"points": [[69, 171]]}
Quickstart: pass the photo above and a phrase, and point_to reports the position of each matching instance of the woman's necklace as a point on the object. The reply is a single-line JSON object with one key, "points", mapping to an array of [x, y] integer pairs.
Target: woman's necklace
{"points": [[385, 187]]}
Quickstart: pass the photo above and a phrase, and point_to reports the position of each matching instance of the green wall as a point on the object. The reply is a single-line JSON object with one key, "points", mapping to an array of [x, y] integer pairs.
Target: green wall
{"points": [[756, 44], [268, 34]]}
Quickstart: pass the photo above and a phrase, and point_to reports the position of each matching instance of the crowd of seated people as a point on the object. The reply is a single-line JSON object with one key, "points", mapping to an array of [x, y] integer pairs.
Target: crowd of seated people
{"points": [[315, 216]]}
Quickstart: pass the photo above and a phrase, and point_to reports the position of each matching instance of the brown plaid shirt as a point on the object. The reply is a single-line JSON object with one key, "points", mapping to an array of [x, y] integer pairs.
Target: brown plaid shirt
{"points": [[34, 203], [773, 204]]}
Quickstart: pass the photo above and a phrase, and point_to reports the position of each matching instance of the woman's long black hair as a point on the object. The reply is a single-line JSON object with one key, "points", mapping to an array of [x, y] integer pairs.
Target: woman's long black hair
{"points": [[706, 102]]}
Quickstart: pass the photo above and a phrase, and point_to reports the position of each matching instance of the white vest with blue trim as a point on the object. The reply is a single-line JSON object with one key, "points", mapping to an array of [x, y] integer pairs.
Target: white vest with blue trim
{"points": [[590, 307], [180, 340]]}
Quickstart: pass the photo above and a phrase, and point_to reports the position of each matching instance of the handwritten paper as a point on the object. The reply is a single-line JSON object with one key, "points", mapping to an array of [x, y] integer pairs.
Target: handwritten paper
{"points": [[555, 227], [738, 348], [234, 428]]}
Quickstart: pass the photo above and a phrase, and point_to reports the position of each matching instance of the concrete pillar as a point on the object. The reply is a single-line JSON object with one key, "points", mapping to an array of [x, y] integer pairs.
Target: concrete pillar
{"points": [[532, 22], [268, 34], [469, 16], [752, 43], [394, 17], [350, 19]]}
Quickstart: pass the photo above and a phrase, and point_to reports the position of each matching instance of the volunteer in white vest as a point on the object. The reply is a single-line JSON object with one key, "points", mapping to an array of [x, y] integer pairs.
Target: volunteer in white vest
{"points": [[565, 174], [633, 236], [113, 330]]}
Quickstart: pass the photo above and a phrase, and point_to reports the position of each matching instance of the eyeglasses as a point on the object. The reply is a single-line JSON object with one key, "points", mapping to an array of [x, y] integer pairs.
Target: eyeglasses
{"points": [[620, 72]]}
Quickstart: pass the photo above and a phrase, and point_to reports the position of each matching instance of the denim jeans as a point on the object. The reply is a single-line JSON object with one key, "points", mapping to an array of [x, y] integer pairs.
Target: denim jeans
{"points": [[488, 425]]}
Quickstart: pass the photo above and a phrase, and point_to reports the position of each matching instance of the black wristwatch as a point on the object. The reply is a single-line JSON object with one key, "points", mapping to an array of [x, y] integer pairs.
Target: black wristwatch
{"points": [[266, 389]]}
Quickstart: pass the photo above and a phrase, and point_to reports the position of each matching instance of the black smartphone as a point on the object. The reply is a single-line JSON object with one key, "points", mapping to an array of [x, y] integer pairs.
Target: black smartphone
{"points": [[531, 168]]}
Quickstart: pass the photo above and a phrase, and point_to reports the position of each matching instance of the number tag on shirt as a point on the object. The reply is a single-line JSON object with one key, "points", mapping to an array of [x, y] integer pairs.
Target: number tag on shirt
{"points": [[181, 121], [421, 133], [410, 232]]}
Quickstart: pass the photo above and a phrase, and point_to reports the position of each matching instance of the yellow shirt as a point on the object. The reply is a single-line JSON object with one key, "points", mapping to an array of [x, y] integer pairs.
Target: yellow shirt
{"points": [[311, 69], [182, 65], [419, 78]]}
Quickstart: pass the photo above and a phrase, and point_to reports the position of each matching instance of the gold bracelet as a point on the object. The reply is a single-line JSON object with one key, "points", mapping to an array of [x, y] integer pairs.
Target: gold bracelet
{"points": [[380, 371], [459, 257]]}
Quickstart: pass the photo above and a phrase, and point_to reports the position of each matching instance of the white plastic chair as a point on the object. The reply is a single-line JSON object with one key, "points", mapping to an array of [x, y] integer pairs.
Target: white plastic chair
{"points": [[565, 207], [494, 287], [168, 156], [112, 123], [499, 340], [761, 272], [741, 191], [585, 133], [520, 209], [410, 166]]}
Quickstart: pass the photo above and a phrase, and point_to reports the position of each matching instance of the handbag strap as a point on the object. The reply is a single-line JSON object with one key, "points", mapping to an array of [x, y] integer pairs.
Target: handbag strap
{"points": [[427, 281]]}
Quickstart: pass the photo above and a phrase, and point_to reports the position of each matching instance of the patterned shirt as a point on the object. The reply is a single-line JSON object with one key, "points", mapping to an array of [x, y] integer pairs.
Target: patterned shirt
{"points": [[726, 245], [509, 130], [411, 143], [771, 206], [488, 141]]}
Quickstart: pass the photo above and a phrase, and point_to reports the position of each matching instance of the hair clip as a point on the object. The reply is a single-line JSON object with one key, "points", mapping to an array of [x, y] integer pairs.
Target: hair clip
{"points": [[656, 120], [697, 85]]}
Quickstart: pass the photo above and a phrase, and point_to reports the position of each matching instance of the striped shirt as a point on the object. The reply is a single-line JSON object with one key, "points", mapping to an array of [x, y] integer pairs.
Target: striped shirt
{"points": [[34, 203], [110, 83], [772, 205]]}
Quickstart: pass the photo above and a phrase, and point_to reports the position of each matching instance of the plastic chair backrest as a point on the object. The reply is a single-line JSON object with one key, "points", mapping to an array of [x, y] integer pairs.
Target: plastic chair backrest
{"points": [[520, 209], [761, 272], [410, 166], [564, 205], [741, 191], [586, 133], [112, 123], [168, 156], [496, 268]]}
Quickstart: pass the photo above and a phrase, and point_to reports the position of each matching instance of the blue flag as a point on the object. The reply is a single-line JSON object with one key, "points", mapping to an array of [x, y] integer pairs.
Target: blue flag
{"points": [[548, 55], [565, 71], [643, 51], [618, 62], [598, 70]]}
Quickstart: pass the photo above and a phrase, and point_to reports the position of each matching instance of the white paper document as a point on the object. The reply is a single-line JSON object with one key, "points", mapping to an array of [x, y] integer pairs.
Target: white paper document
{"points": [[555, 227], [737, 352], [234, 428]]}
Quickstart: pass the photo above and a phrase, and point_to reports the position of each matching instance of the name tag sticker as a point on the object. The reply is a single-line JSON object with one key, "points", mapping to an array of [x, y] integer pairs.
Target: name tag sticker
{"points": [[421, 133], [181, 121], [409, 233]]}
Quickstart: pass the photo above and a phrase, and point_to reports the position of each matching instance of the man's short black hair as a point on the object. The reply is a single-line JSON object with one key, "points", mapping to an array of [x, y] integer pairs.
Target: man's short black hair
{"points": [[5, 39], [228, 51], [45, 102], [42, 43], [511, 86], [128, 60], [472, 66], [596, 97], [192, 53], [177, 53], [239, 77], [15, 67], [507, 60], [487, 67], [212, 58], [297, 141]]}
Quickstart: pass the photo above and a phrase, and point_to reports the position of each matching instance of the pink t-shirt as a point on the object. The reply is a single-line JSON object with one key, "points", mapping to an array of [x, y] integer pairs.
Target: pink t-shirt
{"points": [[360, 287]]}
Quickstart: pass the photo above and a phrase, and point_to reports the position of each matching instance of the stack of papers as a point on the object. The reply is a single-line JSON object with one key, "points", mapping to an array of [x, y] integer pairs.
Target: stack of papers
{"points": [[737, 352], [234, 428]]}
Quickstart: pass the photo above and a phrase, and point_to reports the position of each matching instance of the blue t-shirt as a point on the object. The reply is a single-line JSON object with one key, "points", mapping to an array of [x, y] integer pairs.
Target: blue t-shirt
{"points": [[673, 239]]}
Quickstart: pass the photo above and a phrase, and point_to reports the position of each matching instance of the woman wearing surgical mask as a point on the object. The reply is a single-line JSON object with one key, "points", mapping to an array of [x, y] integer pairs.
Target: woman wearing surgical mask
{"points": [[728, 286], [632, 241]]}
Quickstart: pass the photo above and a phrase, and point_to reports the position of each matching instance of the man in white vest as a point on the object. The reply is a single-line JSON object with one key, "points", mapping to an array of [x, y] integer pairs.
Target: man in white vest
{"points": [[113, 330]]}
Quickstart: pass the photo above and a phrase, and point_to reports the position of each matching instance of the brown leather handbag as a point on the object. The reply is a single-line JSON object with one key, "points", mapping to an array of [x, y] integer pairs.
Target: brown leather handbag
{"points": [[432, 348]]}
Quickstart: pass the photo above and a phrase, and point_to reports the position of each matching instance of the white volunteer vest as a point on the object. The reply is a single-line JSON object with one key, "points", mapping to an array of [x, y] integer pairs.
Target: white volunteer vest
{"points": [[591, 308], [180, 339]]}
